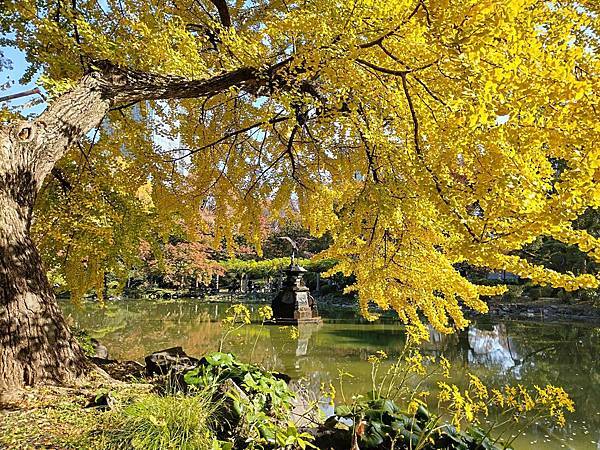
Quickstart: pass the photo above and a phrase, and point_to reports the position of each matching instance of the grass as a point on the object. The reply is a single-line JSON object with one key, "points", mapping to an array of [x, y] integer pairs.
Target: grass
{"points": [[57, 418], [49, 418], [154, 422]]}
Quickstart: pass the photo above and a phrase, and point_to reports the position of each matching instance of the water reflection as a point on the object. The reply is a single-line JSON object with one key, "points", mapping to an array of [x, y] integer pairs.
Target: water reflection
{"points": [[493, 347], [500, 353]]}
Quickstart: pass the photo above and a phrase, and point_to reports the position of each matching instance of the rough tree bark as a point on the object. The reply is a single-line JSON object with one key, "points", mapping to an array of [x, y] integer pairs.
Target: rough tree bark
{"points": [[36, 346]]}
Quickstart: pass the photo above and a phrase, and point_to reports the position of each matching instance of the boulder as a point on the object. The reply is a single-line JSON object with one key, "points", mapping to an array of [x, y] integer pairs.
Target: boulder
{"points": [[170, 360], [120, 370], [100, 350], [102, 402]]}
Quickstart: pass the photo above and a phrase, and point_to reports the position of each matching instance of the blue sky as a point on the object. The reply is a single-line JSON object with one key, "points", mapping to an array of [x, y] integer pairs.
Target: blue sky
{"points": [[19, 65], [13, 75]]}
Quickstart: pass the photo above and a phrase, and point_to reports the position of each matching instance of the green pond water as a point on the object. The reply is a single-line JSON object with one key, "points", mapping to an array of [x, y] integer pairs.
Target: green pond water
{"points": [[499, 352]]}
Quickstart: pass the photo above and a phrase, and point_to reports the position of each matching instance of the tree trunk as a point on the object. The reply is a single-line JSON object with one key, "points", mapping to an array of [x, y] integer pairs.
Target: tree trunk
{"points": [[36, 346], [35, 343]]}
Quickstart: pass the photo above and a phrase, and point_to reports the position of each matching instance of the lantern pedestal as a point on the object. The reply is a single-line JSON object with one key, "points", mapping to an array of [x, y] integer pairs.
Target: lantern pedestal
{"points": [[294, 305]]}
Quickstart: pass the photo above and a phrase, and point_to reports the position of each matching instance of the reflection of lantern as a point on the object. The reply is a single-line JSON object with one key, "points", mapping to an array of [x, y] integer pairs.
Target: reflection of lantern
{"points": [[293, 353], [294, 304]]}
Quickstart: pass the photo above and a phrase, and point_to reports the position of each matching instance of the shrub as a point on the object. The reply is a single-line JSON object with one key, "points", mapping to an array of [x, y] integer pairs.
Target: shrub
{"points": [[395, 413], [534, 292], [154, 422], [590, 295], [257, 403], [548, 291]]}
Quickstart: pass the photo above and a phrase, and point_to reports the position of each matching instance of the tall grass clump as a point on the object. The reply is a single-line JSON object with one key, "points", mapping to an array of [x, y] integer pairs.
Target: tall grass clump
{"points": [[155, 422]]}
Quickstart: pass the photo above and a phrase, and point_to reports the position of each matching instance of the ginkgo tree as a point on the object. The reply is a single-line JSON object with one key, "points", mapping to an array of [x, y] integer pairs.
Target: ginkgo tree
{"points": [[417, 133]]}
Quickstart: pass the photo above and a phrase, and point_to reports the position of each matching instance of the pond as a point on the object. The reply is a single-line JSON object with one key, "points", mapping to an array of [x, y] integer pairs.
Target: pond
{"points": [[530, 353]]}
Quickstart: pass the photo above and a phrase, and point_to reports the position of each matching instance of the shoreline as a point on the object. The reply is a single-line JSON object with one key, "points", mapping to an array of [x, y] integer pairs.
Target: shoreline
{"points": [[542, 311]]}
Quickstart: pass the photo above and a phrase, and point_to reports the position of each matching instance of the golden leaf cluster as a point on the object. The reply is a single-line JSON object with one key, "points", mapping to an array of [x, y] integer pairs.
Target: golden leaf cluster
{"points": [[418, 134]]}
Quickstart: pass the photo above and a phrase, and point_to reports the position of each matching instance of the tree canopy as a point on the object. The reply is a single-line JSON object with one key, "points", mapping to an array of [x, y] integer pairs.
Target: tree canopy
{"points": [[417, 133]]}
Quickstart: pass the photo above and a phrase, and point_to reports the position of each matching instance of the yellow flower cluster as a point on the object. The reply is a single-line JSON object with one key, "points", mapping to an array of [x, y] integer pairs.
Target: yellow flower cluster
{"points": [[461, 404], [414, 363], [556, 400], [416, 401], [265, 313], [378, 357], [480, 389], [236, 315], [549, 401], [329, 392], [292, 331], [445, 366]]}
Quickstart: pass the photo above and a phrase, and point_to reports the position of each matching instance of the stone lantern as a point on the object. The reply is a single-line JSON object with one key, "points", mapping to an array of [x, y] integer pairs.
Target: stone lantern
{"points": [[294, 305]]}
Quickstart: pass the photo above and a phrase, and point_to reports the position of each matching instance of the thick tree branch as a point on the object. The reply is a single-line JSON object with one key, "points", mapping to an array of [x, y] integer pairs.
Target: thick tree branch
{"points": [[65, 184], [74, 113], [108, 86], [398, 60], [223, 10], [392, 71], [121, 85]]}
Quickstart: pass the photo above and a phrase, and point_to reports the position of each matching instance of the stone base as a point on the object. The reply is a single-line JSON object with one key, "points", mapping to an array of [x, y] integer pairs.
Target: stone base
{"points": [[291, 321]]}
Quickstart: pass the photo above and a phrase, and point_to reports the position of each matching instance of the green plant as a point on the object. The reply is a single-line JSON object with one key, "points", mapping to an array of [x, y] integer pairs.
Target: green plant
{"points": [[84, 340], [534, 292], [514, 293], [265, 313], [291, 437], [381, 423], [378, 422], [258, 402], [237, 316], [154, 422]]}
